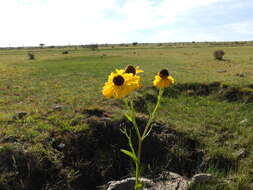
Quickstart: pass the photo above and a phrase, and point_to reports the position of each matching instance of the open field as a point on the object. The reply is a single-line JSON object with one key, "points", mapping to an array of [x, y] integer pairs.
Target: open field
{"points": [[208, 113]]}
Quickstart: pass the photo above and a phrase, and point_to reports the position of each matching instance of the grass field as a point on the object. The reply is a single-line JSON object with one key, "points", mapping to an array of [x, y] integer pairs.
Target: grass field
{"points": [[211, 104]]}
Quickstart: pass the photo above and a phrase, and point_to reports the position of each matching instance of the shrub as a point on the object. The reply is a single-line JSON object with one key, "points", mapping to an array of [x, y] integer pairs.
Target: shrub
{"points": [[92, 47], [65, 52], [218, 54], [31, 56]]}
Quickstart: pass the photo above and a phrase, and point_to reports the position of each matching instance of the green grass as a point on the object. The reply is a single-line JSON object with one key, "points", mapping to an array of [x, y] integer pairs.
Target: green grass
{"points": [[75, 81]]}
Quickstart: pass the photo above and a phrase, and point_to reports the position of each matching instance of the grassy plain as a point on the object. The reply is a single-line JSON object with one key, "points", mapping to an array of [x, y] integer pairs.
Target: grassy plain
{"points": [[55, 88]]}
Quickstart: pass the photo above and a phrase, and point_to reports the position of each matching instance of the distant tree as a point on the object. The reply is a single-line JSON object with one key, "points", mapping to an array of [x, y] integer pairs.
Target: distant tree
{"points": [[42, 45], [218, 54], [31, 56], [135, 43]]}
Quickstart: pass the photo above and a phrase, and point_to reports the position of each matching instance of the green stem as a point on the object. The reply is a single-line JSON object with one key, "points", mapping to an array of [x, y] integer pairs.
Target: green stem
{"points": [[133, 119], [152, 116], [148, 128], [138, 165]]}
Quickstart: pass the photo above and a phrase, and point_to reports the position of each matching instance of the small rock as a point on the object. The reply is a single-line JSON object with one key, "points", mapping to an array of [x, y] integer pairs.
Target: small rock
{"points": [[240, 153], [202, 178], [243, 121], [57, 108], [171, 181], [61, 145], [128, 183], [166, 180]]}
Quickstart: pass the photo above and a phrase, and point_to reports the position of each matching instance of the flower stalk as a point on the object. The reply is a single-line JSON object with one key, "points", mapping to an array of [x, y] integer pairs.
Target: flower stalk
{"points": [[120, 84], [141, 137]]}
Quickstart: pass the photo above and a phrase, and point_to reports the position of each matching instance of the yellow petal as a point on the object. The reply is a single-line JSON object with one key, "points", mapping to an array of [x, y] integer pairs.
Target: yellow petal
{"points": [[108, 90], [163, 83], [138, 70]]}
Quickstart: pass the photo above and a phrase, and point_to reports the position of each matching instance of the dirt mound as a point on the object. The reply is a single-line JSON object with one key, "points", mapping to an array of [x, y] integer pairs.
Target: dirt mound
{"points": [[95, 153], [217, 89], [233, 94], [26, 170]]}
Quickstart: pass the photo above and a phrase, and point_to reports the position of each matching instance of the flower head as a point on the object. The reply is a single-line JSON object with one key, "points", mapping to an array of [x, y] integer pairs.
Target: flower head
{"points": [[130, 69], [120, 84], [133, 70], [163, 79]]}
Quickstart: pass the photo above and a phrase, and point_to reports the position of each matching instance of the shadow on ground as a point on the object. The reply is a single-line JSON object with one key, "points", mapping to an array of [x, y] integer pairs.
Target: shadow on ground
{"points": [[87, 159]]}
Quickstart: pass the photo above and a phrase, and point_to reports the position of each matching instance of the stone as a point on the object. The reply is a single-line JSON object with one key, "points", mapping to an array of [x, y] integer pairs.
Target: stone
{"points": [[171, 181], [128, 184], [241, 153], [61, 145], [166, 180], [202, 178], [57, 108], [243, 121]]}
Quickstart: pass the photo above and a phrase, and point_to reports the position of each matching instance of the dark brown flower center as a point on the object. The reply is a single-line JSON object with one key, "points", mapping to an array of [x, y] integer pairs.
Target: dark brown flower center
{"points": [[118, 80], [164, 73], [130, 69]]}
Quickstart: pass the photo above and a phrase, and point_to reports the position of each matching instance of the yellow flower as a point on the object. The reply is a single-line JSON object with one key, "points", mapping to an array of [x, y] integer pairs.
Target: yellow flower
{"points": [[163, 79], [120, 84], [130, 69]]}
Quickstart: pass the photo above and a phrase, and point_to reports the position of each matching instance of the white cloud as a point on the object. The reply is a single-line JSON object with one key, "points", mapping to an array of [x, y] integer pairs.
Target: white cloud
{"points": [[244, 27], [30, 22], [145, 14], [224, 32], [56, 22], [182, 35]]}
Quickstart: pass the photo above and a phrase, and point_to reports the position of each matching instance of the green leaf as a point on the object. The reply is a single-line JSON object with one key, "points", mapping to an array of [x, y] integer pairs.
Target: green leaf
{"points": [[130, 154], [129, 117]]}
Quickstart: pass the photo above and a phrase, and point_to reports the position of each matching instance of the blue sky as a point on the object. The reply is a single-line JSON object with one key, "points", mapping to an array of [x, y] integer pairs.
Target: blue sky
{"points": [[61, 22]]}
